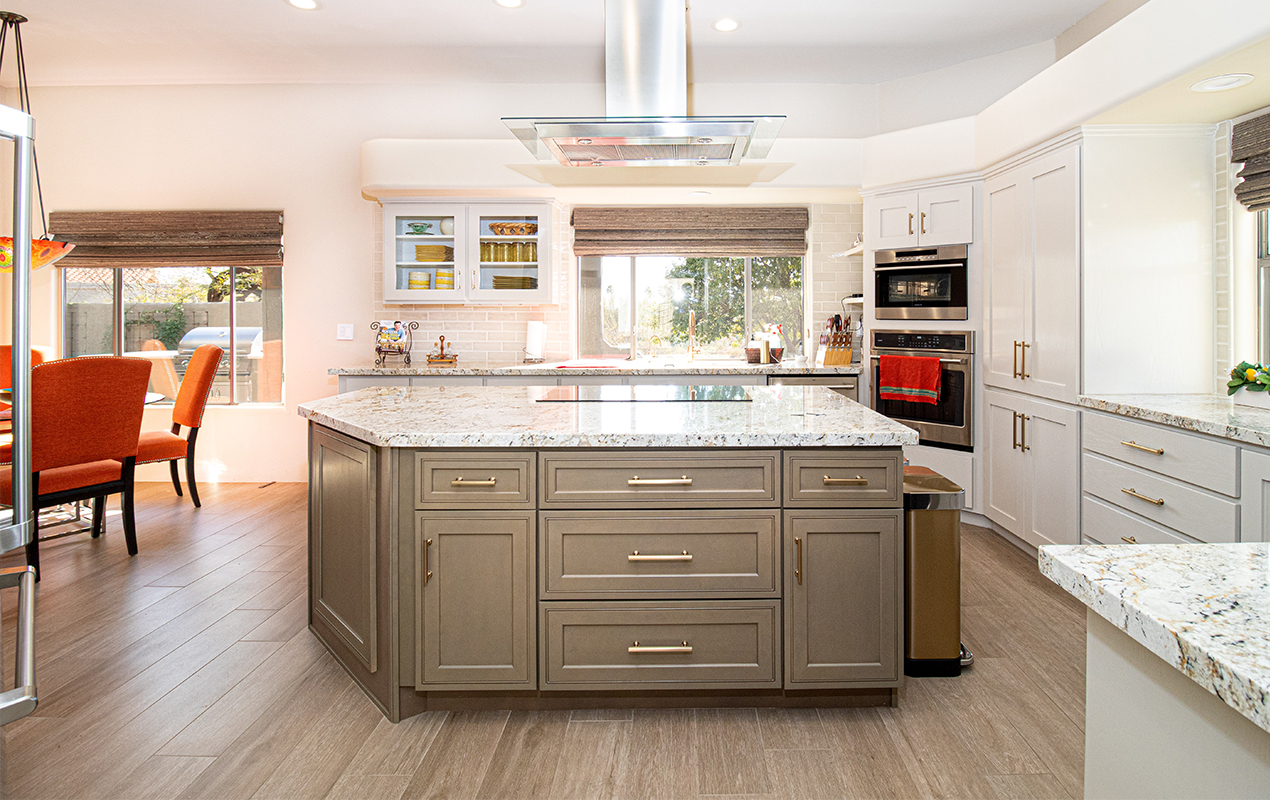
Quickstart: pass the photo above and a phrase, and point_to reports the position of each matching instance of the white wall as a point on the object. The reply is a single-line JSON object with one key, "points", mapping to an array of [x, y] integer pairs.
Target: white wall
{"points": [[931, 151]]}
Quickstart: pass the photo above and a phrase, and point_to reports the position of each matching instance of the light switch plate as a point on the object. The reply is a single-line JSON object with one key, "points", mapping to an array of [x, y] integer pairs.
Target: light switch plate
{"points": [[344, 331]]}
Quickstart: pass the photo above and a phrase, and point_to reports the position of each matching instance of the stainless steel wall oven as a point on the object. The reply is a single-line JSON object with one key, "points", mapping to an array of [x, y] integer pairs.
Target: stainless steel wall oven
{"points": [[950, 422], [927, 283]]}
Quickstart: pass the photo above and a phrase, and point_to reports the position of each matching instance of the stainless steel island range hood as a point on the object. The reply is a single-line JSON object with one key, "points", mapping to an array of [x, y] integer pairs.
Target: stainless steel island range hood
{"points": [[646, 100]]}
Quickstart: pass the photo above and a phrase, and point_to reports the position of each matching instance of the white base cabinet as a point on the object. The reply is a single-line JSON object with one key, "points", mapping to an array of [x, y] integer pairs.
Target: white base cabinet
{"points": [[1032, 468], [1254, 523]]}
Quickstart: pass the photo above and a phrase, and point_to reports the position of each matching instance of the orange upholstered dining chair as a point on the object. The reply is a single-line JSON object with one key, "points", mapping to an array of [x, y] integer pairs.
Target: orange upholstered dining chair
{"points": [[191, 399], [85, 421], [6, 375]]}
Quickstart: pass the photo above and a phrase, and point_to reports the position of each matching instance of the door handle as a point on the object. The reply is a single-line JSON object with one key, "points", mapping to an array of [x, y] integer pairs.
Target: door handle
{"points": [[1159, 451], [21, 700], [460, 482], [1023, 373], [923, 222], [1129, 539], [1153, 501], [856, 481], [638, 481], [679, 648], [637, 556], [798, 571], [1023, 445], [427, 569], [1014, 430], [910, 224], [1014, 373]]}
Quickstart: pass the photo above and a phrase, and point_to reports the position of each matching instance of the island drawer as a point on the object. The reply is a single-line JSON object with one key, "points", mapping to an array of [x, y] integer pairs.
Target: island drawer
{"points": [[843, 479], [666, 478], [1192, 459], [474, 480], [1167, 502], [670, 554], [1102, 523], [717, 645]]}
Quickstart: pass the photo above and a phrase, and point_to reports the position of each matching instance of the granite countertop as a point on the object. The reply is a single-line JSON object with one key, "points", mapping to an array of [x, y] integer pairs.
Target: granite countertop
{"points": [[508, 416], [1204, 608], [1203, 413], [654, 366]]}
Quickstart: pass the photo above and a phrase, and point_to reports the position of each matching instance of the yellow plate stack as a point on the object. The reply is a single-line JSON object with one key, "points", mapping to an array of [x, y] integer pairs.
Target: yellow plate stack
{"points": [[420, 280], [433, 252], [445, 277]]}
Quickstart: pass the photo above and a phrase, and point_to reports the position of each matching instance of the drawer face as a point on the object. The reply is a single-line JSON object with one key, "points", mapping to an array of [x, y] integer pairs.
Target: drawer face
{"points": [[671, 479], [474, 480], [1101, 523], [831, 480], [632, 554], [1175, 454], [1189, 510], [720, 644]]}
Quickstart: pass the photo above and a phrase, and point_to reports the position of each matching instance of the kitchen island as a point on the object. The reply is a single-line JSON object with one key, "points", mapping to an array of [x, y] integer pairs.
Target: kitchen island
{"points": [[540, 547], [1177, 666]]}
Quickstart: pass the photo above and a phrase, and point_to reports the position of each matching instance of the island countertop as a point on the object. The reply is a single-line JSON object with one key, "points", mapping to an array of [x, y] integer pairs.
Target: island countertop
{"points": [[1203, 608], [511, 416], [596, 367]]}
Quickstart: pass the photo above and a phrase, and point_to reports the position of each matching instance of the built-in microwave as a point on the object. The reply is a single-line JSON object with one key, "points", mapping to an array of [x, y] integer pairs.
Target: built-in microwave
{"points": [[923, 283]]}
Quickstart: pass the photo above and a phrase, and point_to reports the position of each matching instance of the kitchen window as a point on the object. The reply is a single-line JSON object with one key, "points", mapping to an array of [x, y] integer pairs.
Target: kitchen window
{"points": [[164, 313], [639, 306]]}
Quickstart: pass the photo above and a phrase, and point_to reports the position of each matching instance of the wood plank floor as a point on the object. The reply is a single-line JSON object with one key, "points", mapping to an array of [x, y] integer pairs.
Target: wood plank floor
{"points": [[188, 672]]}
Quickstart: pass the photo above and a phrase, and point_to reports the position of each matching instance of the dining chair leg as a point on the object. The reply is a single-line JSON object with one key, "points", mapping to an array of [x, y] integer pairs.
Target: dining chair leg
{"points": [[176, 477], [99, 516], [189, 468], [129, 520]]}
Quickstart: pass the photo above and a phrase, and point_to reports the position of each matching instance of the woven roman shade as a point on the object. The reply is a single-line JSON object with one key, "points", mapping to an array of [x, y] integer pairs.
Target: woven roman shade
{"points": [[690, 231], [120, 239], [1250, 143]]}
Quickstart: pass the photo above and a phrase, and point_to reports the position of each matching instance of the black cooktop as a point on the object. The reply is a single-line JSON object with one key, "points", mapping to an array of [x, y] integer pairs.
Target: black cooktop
{"points": [[653, 393]]}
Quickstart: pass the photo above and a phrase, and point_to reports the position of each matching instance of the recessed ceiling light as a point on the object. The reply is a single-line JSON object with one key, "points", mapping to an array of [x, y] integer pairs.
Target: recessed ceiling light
{"points": [[699, 193], [509, 3], [726, 25], [306, 5], [1220, 83]]}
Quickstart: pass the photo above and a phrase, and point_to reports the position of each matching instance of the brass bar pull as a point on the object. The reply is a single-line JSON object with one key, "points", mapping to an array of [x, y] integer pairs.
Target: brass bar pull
{"points": [[680, 648], [1151, 500], [856, 481], [1014, 373], [1023, 373], [1023, 445], [923, 222], [460, 482], [910, 224], [798, 571], [427, 569], [636, 556], [1129, 539], [1159, 451], [1014, 430], [638, 481]]}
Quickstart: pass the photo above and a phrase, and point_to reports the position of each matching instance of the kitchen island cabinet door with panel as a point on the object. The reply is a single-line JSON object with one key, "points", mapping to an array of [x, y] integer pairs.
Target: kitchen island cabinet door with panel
{"points": [[842, 598], [474, 599]]}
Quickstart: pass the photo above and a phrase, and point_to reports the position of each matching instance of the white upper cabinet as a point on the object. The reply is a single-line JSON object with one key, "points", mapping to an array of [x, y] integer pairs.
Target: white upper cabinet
{"points": [[467, 253], [929, 218], [1032, 277]]}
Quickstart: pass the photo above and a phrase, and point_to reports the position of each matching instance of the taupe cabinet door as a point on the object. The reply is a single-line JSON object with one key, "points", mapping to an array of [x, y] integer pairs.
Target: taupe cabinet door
{"points": [[842, 597], [474, 593]]}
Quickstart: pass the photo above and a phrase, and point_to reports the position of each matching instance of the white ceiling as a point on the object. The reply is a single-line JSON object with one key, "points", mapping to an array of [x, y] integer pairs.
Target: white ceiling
{"points": [[95, 42]]}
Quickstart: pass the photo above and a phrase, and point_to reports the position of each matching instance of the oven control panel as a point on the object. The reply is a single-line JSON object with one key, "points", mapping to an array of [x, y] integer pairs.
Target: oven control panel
{"points": [[959, 342]]}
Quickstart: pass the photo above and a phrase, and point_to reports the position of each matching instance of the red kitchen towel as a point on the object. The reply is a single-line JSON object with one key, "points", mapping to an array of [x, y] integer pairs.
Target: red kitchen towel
{"points": [[911, 378]]}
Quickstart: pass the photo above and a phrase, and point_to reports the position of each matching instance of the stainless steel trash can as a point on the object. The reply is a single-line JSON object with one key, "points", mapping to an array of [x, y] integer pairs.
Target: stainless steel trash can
{"points": [[932, 574]]}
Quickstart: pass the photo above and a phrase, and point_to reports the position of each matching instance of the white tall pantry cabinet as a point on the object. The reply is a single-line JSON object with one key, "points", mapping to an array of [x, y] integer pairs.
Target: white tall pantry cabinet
{"points": [[1097, 280]]}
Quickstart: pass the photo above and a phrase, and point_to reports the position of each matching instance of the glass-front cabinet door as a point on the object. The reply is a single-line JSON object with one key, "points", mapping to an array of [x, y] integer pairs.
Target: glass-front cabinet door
{"points": [[513, 259], [475, 252], [424, 253]]}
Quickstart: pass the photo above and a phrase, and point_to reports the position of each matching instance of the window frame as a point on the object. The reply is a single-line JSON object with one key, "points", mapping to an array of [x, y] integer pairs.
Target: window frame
{"points": [[748, 301]]}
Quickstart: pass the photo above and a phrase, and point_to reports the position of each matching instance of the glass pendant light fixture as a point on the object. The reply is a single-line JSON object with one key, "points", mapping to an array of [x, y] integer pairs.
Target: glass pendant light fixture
{"points": [[44, 250]]}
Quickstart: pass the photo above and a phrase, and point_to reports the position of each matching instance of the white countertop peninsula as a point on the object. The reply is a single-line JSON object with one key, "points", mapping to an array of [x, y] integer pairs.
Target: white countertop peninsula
{"points": [[511, 416], [1178, 666], [1211, 414]]}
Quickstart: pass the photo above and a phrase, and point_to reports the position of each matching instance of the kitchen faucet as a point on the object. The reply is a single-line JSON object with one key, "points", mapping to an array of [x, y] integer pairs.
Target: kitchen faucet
{"points": [[692, 335]]}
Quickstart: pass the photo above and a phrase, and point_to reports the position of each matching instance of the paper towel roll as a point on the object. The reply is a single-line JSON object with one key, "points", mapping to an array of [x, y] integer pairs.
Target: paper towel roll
{"points": [[535, 339]]}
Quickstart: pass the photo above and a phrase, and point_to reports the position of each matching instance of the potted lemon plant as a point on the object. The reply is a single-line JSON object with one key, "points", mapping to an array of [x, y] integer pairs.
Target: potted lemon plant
{"points": [[1248, 385]]}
